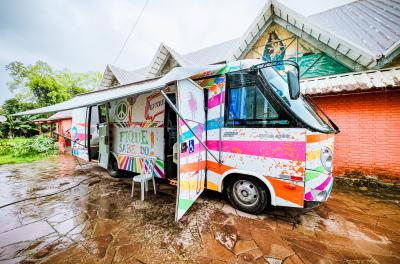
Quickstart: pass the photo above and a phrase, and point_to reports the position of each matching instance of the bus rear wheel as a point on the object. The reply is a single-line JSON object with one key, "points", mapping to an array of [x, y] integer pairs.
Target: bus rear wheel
{"points": [[247, 194], [113, 167]]}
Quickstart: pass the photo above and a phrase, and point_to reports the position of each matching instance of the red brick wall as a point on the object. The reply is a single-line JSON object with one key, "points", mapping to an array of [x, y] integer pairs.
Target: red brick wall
{"points": [[369, 142]]}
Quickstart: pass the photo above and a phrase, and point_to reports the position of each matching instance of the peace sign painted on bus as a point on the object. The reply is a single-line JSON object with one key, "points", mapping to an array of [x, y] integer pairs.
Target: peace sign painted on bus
{"points": [[121, 110]]}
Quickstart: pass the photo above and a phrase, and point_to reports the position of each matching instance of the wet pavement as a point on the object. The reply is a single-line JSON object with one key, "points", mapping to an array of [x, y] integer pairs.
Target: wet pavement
{"points": [[93, 220]]}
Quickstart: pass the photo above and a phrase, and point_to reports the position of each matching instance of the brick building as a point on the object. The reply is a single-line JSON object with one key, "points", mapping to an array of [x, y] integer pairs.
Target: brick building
{"points": [[348, 58], [368, 117]]}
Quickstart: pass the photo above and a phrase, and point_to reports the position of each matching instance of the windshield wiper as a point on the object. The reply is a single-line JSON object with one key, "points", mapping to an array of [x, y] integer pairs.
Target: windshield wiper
{"points": [[333, 125]]}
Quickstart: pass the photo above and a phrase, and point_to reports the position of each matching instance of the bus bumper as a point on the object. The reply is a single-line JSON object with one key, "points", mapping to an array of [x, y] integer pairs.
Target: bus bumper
{"points": [[318, 188]]}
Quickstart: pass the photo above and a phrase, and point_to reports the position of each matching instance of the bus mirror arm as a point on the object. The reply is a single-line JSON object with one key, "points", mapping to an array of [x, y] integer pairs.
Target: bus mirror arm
{"points": [[293, 85], [293, 79], [171, 104]]}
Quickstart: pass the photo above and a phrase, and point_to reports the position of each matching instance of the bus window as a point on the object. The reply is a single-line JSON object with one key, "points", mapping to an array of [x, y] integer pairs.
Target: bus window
{"points": [[102, 113], [249, 106], [94, 132]]}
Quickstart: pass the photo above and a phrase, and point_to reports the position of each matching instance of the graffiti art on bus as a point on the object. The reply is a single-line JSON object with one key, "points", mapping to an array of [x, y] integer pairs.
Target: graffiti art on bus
{"points": [[154, 106]]}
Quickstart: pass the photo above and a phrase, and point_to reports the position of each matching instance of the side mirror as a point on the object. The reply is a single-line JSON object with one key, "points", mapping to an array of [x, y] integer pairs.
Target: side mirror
{"points": [[294, 85]]}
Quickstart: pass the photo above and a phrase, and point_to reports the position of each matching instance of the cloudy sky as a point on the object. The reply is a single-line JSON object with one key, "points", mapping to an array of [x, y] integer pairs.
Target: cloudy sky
{"points": [[85, 35]]}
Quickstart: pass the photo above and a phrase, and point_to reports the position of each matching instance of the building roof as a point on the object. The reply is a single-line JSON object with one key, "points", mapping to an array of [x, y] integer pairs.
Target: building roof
{"points": [[373, 25], [210, 55], [217, 53], [351, 82], [125, 77], [161, 57], [362, 35], [322, 31], [121, 75]]}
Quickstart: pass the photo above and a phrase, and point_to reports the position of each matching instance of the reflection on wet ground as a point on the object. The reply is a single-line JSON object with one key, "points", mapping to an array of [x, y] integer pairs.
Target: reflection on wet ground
{"points": [[95, 221]]}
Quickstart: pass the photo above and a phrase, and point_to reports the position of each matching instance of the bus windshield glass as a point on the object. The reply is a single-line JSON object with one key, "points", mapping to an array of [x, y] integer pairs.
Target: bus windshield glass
{"points": [[299, 107]]}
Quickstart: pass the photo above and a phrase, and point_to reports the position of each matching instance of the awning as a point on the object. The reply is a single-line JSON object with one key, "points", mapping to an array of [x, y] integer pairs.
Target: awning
{"points": [[118, 92]]}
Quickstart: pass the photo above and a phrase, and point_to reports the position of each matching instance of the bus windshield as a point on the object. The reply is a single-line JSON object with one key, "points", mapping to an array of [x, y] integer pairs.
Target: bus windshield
{"points": [[299, 107]]}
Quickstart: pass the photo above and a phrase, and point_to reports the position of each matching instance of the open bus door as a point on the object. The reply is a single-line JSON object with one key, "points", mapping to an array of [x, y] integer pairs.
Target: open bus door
{"points": [[79, 133], [104, 146], [192, 155]]}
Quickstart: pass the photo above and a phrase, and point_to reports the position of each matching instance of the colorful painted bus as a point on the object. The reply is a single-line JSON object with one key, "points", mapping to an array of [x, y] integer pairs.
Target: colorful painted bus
{"points": [[243, 129]]}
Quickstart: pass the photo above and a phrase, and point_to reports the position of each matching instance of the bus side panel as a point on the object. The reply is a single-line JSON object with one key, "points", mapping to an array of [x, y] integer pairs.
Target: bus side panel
{"points": [[215, 119], [137, 132], [79, 133], [275, 155]]}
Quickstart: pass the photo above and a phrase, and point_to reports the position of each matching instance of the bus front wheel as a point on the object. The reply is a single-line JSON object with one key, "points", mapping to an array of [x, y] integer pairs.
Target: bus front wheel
{"points": [[247, 194]]}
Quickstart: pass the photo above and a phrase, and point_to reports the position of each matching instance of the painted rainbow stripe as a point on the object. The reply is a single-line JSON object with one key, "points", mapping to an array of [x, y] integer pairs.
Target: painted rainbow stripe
{"points": [[211, 125], [216, 100], [291, 150], [189, 135], [145, 124], [316, 177], [159, 169], [215, 123], [326, 184], [137, 164]]}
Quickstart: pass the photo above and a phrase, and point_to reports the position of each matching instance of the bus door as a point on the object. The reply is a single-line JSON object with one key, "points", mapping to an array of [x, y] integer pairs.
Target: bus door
{"points": [[192, 155], [104, 146], [79, 133]]}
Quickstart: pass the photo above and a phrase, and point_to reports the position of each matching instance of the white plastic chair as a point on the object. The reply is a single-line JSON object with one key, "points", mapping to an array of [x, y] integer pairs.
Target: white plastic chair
{"points": [[145, 176]]}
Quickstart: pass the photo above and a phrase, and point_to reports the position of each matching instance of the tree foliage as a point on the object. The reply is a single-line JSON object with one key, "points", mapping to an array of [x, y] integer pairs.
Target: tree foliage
{"points": [[45, 86], [38, 85], [19, 147], [19, 126], [17, 150]]}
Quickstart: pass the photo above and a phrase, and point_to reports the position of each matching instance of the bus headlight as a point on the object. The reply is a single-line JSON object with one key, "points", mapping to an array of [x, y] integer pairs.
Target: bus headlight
{"points": [[326, 158]]}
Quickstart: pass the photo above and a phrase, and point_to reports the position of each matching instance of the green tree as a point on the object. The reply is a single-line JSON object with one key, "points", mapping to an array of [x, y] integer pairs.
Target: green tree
{"points": [[38, 85], [18, 126], [41, 84]]}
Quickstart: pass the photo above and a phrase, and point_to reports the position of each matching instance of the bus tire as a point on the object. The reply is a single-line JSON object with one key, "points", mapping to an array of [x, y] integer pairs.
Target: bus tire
{"points": [[247, 194], [112, 167]]}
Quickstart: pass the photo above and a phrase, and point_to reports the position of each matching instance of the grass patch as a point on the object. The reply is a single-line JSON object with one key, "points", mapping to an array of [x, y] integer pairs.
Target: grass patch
{"points": [[20, 150], [9, 159]]}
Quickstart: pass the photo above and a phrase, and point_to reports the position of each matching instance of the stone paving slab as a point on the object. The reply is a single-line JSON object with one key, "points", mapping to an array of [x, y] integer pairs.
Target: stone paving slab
{"points": [[28, 232], [97, 222]]}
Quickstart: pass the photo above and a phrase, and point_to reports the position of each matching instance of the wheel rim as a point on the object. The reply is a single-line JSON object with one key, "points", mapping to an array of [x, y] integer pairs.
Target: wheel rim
{"points": [[246, 193]]}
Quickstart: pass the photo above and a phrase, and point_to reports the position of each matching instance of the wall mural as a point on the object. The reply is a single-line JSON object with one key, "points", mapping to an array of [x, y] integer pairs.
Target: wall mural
{"points": [[277, 43]]}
